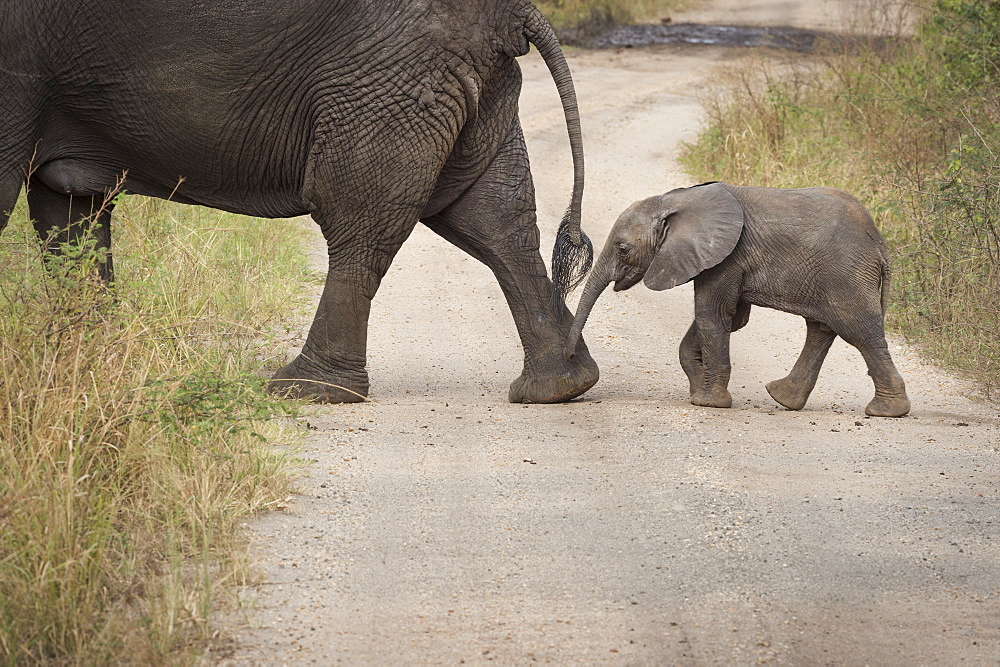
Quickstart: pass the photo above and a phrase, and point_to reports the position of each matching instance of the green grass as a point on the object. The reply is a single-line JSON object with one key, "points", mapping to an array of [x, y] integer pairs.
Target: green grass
{"points": [[912, 127], [135, 436]]}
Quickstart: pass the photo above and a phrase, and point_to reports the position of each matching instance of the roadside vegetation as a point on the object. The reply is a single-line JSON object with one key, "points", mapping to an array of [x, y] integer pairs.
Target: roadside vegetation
{"points": [[911, 126], [135, 436], [583, 17]]}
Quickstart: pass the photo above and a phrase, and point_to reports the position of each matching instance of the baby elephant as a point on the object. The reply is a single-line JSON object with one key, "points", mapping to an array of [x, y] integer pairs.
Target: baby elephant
{"points": [[814, 252]]}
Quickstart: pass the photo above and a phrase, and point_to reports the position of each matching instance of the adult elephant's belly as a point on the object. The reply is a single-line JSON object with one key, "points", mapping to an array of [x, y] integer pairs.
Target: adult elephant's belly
{"points": [[215, 163], [91, 177]]}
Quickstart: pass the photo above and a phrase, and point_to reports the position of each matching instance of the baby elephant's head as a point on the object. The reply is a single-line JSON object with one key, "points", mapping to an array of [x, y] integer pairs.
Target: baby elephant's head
{"points": [[664, 241]]}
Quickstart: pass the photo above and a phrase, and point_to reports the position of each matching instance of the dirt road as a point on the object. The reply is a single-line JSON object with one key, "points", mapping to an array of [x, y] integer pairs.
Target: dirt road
{"points": [[440, 524]]}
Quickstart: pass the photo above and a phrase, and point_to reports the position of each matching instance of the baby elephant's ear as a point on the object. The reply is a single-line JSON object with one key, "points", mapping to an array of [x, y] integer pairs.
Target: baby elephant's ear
{"points": [[703, 227]]}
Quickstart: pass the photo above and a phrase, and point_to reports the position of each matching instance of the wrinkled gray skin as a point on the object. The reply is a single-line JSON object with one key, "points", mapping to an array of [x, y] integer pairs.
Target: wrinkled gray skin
{"points": [[368, 115], [814, 252]]}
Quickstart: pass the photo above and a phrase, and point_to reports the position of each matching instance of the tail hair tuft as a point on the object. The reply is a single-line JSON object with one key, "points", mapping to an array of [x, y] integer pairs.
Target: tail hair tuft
{"points": [[572, 256]]}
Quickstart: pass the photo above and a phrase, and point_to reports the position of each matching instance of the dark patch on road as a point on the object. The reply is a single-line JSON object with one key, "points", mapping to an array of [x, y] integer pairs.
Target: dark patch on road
{"points": [[793, 39]]}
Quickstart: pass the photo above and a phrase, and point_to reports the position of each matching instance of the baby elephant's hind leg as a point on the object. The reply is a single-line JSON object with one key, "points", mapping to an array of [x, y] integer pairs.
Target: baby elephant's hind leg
{"points": [[890, 391], [793, 390]]}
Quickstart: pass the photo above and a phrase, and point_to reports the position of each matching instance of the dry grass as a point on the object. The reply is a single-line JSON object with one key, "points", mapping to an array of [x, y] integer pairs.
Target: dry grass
{"points": [[134, 433], [912, 127], [584, 16]]}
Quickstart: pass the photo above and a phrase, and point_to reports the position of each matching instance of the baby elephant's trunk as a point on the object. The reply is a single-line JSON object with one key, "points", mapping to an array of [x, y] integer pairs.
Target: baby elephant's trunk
{"points": [[596, 284]]}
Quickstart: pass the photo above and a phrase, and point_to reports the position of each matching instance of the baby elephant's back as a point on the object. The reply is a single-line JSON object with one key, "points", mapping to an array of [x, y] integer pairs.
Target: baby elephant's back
{"points": [[808, 244]]}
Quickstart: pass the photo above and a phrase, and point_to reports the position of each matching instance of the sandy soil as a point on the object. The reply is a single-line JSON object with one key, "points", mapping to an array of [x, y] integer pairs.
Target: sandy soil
{"points": [[812, 14], [440, 524]]}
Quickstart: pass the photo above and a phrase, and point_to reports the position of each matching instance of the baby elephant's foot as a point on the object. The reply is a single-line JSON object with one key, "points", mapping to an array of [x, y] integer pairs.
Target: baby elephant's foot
{"points": [[788, 393], [717, 397], [888, 406]]}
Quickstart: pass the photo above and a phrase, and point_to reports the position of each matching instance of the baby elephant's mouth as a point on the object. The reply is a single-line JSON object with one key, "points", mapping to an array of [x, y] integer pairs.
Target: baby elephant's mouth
{"points": [[627, 280]]}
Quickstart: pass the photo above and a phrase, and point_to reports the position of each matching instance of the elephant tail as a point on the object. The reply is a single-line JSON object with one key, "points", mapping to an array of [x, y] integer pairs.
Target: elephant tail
{"points": [[573, 253]]}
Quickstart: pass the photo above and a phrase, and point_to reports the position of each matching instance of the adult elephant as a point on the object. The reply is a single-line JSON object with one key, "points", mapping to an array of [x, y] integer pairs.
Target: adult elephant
{"points": [[369, 115]]}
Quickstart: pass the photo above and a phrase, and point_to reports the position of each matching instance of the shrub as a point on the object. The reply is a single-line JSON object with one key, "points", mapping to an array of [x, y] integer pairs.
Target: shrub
{"points": [[134, 430]]}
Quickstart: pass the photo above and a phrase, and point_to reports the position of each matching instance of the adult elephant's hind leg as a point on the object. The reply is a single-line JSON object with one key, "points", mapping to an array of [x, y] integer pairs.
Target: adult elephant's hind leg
{"points": [[331, 366], [792, 391], [494, 221]]}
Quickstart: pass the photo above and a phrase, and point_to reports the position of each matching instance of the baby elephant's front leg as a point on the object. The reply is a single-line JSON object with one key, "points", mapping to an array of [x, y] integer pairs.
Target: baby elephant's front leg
{"points": [[690, 358], [713, 343]]}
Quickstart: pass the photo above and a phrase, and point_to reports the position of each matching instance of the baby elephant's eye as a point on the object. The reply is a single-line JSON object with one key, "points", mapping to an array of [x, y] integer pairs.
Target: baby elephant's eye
{"points": [[623, 249]]}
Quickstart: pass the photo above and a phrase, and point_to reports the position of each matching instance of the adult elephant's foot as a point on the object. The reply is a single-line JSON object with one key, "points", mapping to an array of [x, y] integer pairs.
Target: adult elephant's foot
{"points": [[716, 397], [300, 379], [788, 393], [888, 406], [555, 379]]}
